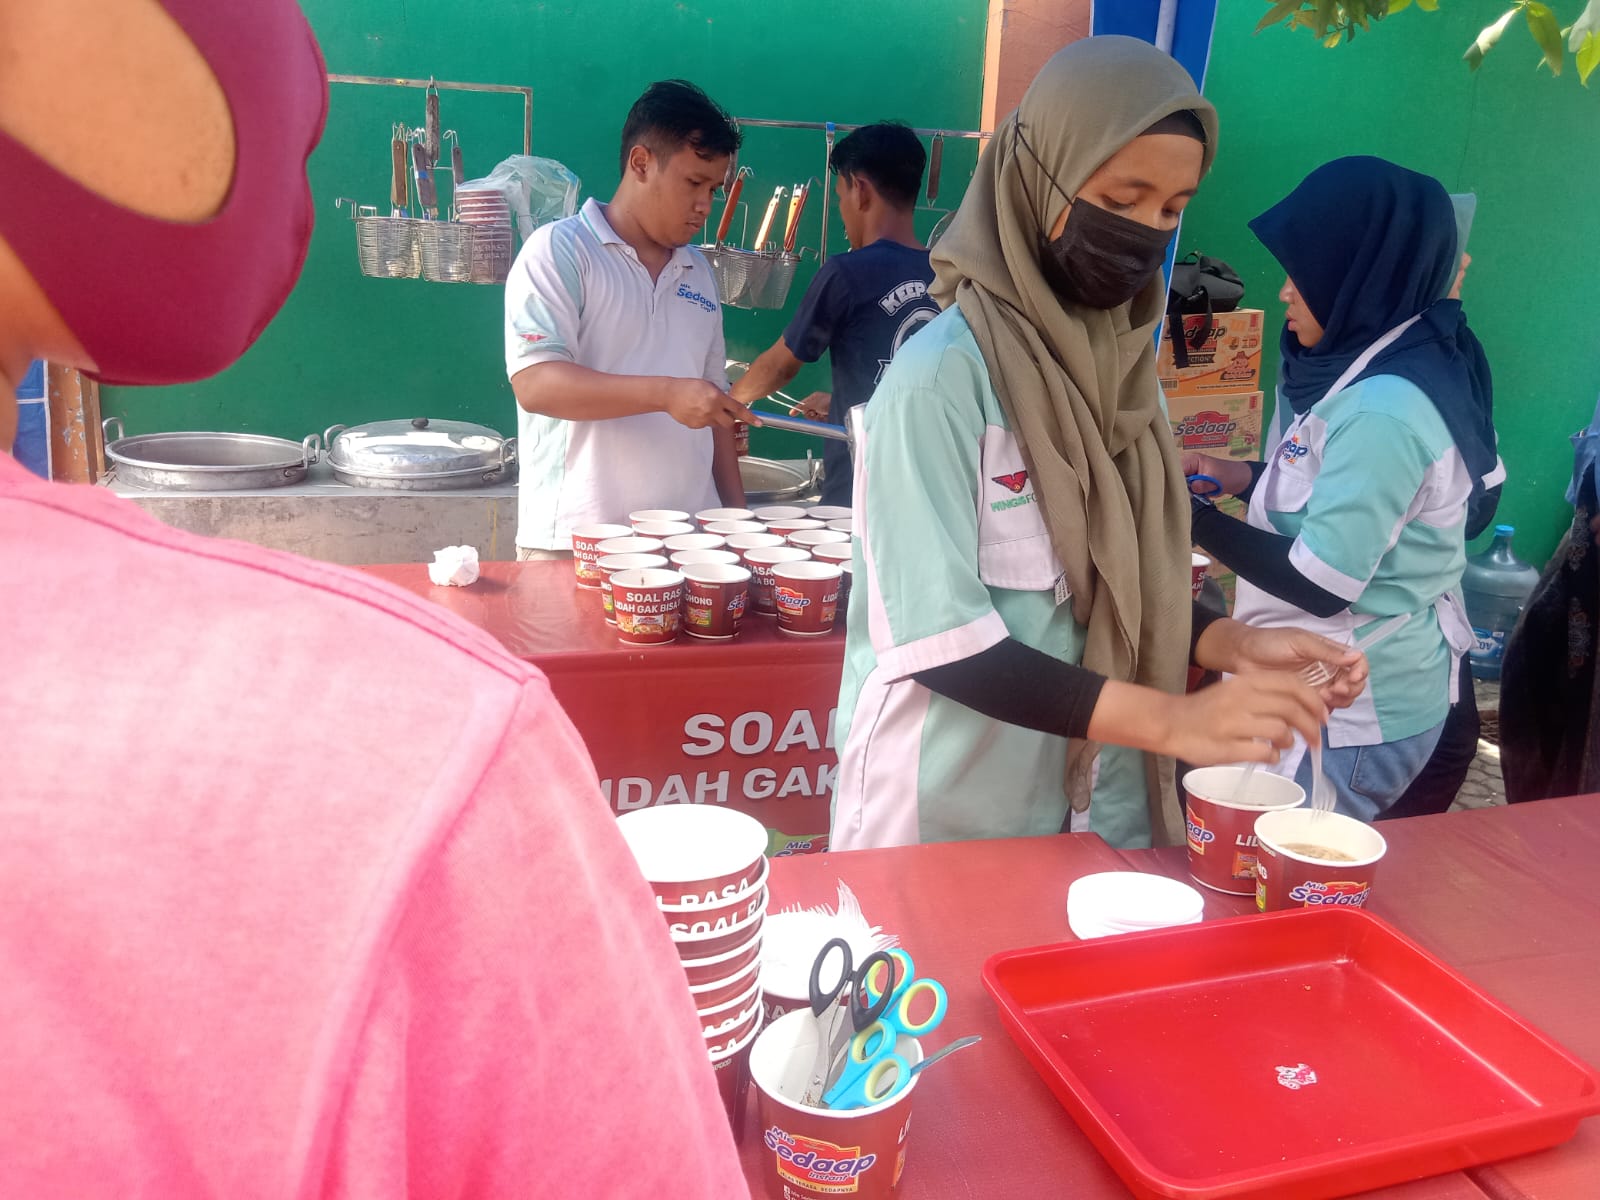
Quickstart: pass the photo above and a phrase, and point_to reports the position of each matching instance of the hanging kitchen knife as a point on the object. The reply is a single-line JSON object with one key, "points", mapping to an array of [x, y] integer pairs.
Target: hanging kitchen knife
{"points": [[769, 217], [797, 205], [734, 189], [935, 158]]}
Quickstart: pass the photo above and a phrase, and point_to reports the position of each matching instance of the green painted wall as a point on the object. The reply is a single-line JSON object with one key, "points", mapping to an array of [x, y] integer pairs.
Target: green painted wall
{"points": [[1526, 144], [350, 349]]}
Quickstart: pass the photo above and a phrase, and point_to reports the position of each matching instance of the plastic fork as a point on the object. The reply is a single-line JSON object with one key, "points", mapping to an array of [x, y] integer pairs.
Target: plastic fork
{"points": [[1323, 797], [1318, 675]]}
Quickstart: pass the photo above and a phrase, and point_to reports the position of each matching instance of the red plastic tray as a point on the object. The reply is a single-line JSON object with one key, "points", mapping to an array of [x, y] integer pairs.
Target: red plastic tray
{"points": [[1187, 1057]]}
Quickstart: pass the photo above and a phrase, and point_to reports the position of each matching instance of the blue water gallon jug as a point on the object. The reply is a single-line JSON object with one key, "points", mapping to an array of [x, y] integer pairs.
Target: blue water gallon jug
{"points": [[1496, 585]]}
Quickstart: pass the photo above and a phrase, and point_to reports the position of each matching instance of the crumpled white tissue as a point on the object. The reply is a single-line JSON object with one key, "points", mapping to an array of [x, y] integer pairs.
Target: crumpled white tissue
{"points": [[454, 566]]}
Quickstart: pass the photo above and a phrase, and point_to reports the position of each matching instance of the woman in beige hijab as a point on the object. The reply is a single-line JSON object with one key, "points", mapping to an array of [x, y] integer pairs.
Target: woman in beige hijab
{"points": [[1020, 627]]}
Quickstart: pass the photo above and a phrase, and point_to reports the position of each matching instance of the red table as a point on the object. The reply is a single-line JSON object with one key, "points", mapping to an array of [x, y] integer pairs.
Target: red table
{"points": [[1501, 894], [747, 722]]}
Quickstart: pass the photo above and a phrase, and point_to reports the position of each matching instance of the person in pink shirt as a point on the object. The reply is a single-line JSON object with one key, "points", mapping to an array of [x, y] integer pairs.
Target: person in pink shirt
{"points": [[306, 888]]}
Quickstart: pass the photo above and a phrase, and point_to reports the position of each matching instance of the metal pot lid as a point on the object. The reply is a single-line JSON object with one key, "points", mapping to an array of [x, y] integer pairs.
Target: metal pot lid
{"points": [[418, 448]]}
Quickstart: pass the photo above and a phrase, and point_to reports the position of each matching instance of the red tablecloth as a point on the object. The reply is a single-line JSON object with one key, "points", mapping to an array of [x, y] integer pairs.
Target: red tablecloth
{"points": [[746, 722], [1504, 895]]}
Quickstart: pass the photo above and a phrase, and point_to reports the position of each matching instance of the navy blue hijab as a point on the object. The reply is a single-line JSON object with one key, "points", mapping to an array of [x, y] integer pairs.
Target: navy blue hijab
{"points": [[1368, 245]]}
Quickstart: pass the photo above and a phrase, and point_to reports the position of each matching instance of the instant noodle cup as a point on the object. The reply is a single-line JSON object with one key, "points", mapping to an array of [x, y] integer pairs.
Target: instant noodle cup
{"points": [[1199, 564], [608, 565], [1310, 859], [705, 938], [695, 854], [586, 541], [720, 966], [648, 605], [632, 544], [779, 512], [761, 561], [847, 577], [707, 516], [794, 525], [1222, 824], [686, 558], [821, 1153], [738, 906], [729, 528], [715, 596], [663, 529], [730, 1015], [806, 596], [843, 525], [656, 514], [730, 1031], [828, 512], [834, 552], [812, 538], [732, 1067], [694, 541], [740, 543], [720, 991]]}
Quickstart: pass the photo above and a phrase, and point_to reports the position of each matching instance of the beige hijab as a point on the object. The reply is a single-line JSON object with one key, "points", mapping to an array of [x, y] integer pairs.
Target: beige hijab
{"points": [[1078, 384]]}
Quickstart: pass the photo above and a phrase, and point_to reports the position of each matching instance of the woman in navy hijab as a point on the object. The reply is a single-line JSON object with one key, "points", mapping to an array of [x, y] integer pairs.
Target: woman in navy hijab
{"points": [[1360, 514]]}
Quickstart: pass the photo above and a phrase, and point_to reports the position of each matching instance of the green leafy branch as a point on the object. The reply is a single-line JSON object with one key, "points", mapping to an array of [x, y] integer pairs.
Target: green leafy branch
{"points": [[1334, 21]]}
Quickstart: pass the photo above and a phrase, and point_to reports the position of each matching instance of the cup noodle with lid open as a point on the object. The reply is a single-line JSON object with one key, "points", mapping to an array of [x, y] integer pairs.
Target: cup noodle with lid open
{"points": [[586, 540], [715, 596], [821, 1153], [648, 604], [1221, 824], [1309, 859], [761, 560], [609, 564], [806, 596]]}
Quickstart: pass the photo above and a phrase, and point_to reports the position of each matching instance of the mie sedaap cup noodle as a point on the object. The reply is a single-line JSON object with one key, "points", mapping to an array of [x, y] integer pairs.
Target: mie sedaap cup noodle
{"points": [[695, 854], [609, 564], [828, 512], [810, 539], [1199, 564], [1221, 823], [761, 560], [1309, 859], [586, 540], [820, 1153], [648, 605], [806, 596], [688, 558], [779, 512], [730, 528], [795, 525], [715, 596], [835, 552], [663, 529], [656, 514], [707, 516], [694, 541]]}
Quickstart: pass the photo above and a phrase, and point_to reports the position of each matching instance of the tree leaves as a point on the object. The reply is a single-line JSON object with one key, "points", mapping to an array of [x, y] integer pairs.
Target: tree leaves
{"points": [[1277, 13], [1583, 39], [1546, 31]]}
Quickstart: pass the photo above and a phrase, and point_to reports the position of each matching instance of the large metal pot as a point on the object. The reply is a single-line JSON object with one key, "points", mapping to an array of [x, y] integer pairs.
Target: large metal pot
{"points": [[419, 455], [207, 462], [768, 482]]}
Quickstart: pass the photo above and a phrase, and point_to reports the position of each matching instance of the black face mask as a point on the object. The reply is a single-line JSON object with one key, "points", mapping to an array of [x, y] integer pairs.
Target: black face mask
{"points": [[1101, 259]]}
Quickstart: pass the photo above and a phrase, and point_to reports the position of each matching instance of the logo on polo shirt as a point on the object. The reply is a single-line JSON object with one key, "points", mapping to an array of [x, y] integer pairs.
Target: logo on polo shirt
{"points": [[1293, 451], [1013, 482], [694, 297]]}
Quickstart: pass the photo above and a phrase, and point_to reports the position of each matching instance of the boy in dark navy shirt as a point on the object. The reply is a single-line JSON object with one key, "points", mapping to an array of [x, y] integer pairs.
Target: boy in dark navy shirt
{"points": [[863, 305]]}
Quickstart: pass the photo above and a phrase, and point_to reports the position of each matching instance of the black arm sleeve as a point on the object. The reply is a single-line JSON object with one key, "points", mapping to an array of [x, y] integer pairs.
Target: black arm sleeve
{"points": [[1019, 685], [1203, 619], [1256, 471], [1262, 558]]}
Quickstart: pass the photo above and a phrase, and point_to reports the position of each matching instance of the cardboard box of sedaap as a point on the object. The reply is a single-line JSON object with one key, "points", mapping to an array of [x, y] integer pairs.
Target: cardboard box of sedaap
{"points": [[1226, 357], [1227, 425]]}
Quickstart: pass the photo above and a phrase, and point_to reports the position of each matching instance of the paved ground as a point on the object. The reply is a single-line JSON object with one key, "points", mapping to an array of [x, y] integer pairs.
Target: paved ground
{"points": [[1483, 786]]}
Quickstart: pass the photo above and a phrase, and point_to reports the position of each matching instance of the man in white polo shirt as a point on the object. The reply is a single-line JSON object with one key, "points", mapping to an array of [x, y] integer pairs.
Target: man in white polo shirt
{"points": [[614, 338]]}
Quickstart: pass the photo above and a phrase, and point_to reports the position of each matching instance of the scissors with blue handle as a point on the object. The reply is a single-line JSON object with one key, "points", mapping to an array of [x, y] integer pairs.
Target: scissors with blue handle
{"points": [[1210, 485], [863, 1005], [874, 1071]]}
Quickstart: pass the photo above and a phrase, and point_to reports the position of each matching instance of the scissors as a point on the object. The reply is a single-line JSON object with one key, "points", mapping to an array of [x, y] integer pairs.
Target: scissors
{"points": [[873, 1070], [863, 1006], [1214, 487]]}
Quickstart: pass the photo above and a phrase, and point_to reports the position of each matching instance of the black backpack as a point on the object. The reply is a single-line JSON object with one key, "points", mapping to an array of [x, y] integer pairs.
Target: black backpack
{"points": [[1200, 284]]}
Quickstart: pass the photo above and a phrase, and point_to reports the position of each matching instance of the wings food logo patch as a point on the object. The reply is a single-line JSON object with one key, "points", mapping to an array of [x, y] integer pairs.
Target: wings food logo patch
{"points": [[1013, 482]]}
